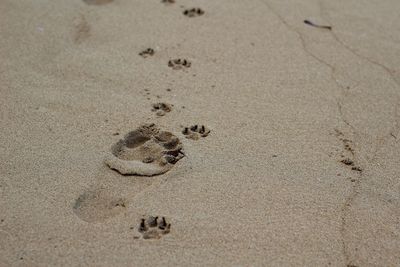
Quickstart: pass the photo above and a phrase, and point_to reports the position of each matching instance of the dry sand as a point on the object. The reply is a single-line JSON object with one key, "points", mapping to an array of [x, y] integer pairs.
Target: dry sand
{"points": [[301, 166]]}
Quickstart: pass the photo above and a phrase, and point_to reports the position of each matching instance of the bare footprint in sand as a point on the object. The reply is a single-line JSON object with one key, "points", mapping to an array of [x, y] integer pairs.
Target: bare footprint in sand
{"points": [[97, 2], [145, 151], [196, 131], [154, 227], [98, 205], [111, 195]]}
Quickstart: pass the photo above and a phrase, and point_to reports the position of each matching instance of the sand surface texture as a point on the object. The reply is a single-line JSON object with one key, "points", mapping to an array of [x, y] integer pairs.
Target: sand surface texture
{"points": [[289, 132]]}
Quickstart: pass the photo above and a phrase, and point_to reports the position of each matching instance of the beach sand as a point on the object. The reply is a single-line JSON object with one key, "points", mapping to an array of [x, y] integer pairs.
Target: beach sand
{"points": [[301, 165]]}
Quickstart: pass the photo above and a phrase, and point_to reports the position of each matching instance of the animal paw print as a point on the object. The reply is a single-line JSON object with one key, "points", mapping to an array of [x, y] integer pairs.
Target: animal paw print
{"points": [[196, 131], [193, 12], [147, 52], [154, 227], [178, 63], [161, 108], [168, 1]]}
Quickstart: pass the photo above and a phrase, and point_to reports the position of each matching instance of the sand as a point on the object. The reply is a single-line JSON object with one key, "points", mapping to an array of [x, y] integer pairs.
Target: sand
{"points": [[301, 165]]}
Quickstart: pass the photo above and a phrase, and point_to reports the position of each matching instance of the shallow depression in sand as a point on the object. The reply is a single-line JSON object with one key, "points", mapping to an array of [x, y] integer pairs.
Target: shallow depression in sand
{"points": [[98, 205]]}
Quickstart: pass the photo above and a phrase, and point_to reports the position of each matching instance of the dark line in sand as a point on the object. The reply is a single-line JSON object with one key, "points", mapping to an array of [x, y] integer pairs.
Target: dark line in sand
{"points": [[308, 22]]}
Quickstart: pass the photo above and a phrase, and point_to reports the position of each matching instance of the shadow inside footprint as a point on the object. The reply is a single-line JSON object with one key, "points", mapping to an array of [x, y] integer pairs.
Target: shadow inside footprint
{"points": [[146, 151]]}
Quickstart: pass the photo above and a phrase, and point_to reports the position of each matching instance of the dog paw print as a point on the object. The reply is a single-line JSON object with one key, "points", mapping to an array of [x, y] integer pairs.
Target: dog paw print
{"points": [[178, 63], [154, 227], [196, 131], [147, 52], [168, 1], [193, 12], [161, 108]]}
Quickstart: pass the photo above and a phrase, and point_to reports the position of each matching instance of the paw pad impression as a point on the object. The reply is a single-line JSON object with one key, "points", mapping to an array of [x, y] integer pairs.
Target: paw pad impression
{"points": [[154, 227], [178, 63], [196, 131], [193, 12]]}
